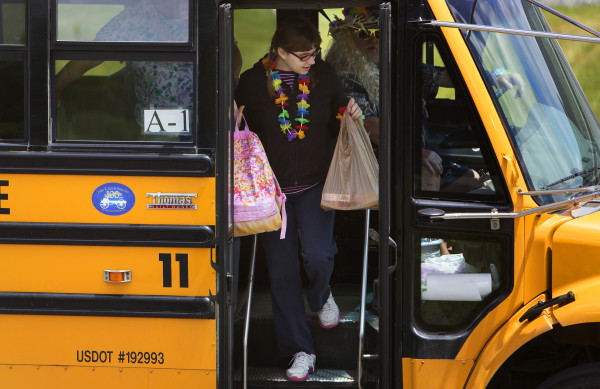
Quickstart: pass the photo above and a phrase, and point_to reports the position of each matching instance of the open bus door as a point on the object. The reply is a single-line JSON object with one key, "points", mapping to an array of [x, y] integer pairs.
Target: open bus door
{"points": [[492, 274]]}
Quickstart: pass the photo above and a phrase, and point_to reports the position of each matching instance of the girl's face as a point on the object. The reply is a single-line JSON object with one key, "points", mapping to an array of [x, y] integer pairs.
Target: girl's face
{"points": [[298, 62]]}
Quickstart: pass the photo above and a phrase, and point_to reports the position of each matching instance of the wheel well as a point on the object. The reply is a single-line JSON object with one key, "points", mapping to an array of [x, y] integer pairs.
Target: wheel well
{"points": [[548, 354]]}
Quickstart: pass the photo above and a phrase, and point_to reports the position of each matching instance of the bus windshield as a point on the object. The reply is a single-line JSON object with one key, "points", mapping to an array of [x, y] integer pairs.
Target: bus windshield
{"points": [[551, 125]]}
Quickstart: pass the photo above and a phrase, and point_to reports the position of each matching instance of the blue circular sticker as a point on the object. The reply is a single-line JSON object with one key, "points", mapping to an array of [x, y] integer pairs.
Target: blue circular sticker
{"points": [[113, 199]]}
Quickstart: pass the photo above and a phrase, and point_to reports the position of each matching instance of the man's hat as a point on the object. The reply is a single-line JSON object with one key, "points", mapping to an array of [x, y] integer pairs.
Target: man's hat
{"points": [[357, 18]]}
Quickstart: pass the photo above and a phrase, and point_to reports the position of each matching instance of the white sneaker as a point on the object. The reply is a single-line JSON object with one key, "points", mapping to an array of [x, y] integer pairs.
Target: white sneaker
{"points": [[329, 315], [303, 365]]}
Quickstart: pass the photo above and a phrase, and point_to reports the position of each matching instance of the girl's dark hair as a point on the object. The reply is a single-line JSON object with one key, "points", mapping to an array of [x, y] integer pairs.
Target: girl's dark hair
{"points": [[295, 33]]}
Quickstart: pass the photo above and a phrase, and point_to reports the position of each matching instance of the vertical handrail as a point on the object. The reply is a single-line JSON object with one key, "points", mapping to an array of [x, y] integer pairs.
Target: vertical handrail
{"points": [[248, 306], [363, 298]]}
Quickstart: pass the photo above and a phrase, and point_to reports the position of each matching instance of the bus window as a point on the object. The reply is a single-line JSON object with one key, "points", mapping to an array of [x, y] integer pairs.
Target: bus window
{"points": [[123, 21], [125, 101], [451, 153], [142, 94], [12, 100], [460, 275], [12, 17]]}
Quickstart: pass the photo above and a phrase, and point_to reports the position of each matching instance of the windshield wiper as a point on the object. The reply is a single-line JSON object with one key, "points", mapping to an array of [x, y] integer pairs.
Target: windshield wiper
{"points": [[574, 175]]}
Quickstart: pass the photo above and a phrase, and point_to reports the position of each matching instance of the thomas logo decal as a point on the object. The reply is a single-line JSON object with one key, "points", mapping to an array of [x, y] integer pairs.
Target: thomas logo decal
{"points": [[113, 199]]}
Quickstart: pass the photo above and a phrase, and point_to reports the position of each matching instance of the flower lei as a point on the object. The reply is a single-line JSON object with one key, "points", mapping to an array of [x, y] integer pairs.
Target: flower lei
{"points": [[281, 101]]}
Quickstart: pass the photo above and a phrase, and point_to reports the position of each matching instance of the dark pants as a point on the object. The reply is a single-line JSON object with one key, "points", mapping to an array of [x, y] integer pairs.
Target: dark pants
{"points": [[308, 223]]}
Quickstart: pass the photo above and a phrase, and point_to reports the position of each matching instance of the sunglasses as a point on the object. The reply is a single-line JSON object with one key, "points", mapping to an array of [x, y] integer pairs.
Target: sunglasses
{"points": [[367, 34], [305, 57]]}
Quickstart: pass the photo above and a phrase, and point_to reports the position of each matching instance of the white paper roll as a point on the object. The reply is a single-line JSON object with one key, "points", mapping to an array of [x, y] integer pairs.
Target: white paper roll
{"points": [[457, 287]]}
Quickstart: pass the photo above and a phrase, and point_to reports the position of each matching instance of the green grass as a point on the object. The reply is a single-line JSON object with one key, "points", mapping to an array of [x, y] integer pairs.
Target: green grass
{"points": [[582, 56]]}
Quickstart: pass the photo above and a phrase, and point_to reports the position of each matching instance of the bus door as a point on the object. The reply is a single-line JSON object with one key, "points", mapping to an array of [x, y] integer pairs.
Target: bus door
{"points": [[455, 271], [110, 187]]}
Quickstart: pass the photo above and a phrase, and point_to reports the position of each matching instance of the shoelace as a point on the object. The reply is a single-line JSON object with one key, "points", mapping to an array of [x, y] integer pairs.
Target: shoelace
{"points": [[329, 304], [301, 359]]}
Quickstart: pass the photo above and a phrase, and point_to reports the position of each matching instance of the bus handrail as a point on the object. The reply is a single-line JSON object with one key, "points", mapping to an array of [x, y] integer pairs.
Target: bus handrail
{"points": [[512, 31], [433, 214], [363, 298], [248, 307]]}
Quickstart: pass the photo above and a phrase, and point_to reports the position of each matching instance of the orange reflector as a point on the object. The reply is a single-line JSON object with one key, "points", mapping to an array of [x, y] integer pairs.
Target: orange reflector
{"points": [[117, 275]]}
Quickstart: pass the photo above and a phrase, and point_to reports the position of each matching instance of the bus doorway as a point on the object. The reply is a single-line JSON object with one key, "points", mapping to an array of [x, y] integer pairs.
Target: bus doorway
{"points": [[338, 361]]}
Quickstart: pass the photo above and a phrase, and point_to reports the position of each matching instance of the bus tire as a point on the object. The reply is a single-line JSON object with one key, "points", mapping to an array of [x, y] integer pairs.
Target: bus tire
{"points": [[579, 377]]}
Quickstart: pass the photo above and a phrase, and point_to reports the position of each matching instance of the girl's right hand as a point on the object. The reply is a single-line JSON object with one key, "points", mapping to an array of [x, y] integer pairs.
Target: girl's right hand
{"points": [[354, 110]]}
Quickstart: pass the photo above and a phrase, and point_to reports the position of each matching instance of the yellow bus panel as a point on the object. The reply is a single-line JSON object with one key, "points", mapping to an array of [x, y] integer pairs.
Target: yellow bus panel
{"points": [[80, 269], [69, 377], [122, 342], [435, 373], [76, 199]]}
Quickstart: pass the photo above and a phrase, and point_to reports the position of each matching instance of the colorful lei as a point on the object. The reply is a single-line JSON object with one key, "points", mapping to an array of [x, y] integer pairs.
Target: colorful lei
{"points": [[281, 101]]}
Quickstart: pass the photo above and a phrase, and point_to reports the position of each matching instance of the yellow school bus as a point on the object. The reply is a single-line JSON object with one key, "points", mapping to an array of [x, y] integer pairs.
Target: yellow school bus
{"points": [[119, 264]]}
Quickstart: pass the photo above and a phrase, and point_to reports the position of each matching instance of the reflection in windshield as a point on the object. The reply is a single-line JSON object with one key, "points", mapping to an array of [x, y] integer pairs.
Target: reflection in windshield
{"points": [[551, 125]]}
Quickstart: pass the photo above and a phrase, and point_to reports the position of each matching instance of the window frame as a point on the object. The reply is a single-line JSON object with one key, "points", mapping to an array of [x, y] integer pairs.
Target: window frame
{"points": [[488, 303], [124, 51], [461, 92], [18, 53]]}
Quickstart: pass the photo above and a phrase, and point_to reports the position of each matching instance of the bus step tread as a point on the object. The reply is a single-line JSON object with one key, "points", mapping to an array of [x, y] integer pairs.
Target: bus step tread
{"points": [[272, 377]]}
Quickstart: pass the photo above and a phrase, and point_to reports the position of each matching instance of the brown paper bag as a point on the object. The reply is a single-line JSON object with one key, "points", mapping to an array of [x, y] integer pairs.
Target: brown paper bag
{"points": [[429, 181], [353, 177]]}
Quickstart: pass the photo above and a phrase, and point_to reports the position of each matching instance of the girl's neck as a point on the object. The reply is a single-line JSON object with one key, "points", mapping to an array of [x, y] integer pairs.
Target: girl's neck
{"points": [[281, 65]]}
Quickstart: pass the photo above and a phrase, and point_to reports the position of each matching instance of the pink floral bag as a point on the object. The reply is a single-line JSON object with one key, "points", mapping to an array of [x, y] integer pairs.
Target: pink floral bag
{"points": [[258, 203]]}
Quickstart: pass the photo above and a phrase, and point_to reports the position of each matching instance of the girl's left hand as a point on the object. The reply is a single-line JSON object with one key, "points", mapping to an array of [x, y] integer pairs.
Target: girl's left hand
{"points": [[354, 110]]}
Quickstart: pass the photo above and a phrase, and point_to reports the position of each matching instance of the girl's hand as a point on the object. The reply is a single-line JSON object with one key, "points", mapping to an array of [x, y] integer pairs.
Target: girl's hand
{"points": [[238, 113], [354, 110]]}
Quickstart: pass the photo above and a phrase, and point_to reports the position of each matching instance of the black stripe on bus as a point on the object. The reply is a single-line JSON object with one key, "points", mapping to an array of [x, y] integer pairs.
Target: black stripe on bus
{"points": [[191, 165], [107, 234], [200, 307]]}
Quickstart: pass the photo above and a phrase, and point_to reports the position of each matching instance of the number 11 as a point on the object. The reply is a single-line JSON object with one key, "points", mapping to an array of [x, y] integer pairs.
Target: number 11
{"points": [[183, 270]]}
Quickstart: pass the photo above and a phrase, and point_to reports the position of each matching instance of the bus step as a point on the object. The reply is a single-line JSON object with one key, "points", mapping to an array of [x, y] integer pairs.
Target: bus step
{"points": [[336, 348], [322, 378]]}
